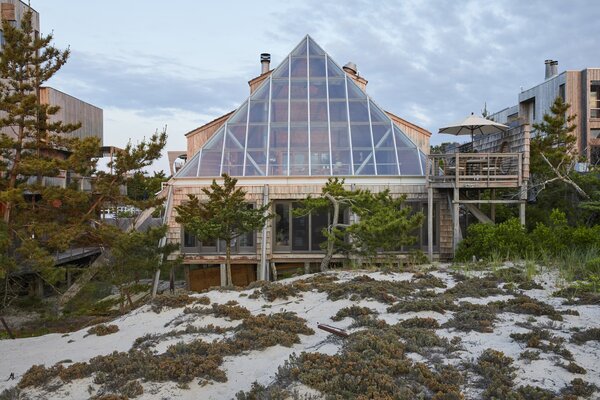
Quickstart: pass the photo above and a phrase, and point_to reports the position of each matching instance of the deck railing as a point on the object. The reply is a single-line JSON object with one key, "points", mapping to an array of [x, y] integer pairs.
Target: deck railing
{"points": [[475, 169]]}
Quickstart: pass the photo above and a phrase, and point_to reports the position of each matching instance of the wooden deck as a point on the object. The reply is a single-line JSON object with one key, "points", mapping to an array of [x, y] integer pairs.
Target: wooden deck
{"points": [[475, 170]]}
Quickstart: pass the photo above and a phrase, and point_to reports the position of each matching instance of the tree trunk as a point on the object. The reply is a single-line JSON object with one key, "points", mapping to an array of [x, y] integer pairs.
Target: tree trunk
{"points": [[330, 241], [228, 262], [172, 280]]}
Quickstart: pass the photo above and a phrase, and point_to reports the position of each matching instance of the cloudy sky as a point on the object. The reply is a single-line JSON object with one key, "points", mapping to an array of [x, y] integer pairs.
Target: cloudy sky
{"points": [[182, 63]]}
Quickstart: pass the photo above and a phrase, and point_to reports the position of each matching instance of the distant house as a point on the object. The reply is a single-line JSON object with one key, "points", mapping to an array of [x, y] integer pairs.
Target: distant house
{"points": [[305, 121], [581, 89]]}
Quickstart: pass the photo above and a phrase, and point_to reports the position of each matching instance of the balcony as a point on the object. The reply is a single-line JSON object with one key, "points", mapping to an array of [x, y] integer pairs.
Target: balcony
{"points": [[475, 170]]}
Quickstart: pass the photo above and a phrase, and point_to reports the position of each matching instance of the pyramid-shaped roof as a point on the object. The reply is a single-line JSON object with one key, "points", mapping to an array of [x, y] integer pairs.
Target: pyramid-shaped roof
{"points": [[308, 118]]}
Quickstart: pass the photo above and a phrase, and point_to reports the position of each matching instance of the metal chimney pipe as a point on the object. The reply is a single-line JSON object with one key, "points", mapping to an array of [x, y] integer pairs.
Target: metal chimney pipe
{"points": [[554, 68], [548, 64], [265, 62]]}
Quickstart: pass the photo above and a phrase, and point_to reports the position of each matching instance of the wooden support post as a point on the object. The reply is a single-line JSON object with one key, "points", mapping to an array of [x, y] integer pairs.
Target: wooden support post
{"points": [[223, 274], [186, 272], [273, 271], [493, 207], [430, 223], [523, 202], [155, 283], [456, 219], [307, 267]]}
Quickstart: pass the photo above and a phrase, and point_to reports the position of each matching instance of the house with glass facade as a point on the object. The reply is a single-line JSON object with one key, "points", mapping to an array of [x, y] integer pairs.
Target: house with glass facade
{"points": [[305, 121]]}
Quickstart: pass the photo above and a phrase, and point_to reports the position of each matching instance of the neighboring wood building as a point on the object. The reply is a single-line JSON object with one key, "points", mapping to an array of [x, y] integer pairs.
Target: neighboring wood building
{"points": [[581, 89]]}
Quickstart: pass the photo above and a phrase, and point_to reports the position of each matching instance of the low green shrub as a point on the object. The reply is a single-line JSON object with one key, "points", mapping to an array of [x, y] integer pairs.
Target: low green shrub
{"points": [[509, 239], [103, 330]]}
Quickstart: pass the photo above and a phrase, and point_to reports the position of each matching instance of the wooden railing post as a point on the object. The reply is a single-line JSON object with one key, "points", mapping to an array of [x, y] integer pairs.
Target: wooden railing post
{"points": [[457, 168]]}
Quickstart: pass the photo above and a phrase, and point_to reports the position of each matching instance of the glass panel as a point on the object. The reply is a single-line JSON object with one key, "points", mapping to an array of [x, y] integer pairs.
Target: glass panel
{"points": [[280, 89], [299, 89], [386, 162], [259, 111], [282, 225], [354, 92], [318, 111], [300, 233], [299, 150], [279, 111], [337, 111], [358, 111], [377, 115], [401, 139], [190, 168], [233, 157], [317, 67], [262, 93], [300, 50], [409, 161], [423, 162], [314, 48], [319, 150], [318, 89], [363, 162], [340, 149], [256, 158], [337, 89], [239, 117], [298, 67], [278, 151], [299, 111], [319, 221], [238, 133], [382, 136], [361, 136], [333, 71], [189, 240], [247, 239], [283, 70], [210, 159]]}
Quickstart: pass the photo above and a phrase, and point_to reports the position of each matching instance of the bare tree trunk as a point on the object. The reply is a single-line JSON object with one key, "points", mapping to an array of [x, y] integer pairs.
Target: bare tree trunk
{"points": [[228, 262], [10, 334], [330, 242]]}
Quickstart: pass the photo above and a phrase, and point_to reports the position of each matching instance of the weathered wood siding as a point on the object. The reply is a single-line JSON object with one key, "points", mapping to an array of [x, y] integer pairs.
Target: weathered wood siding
{"points": [[417, 134], [197, 137], [291, 191], [72, 111]]}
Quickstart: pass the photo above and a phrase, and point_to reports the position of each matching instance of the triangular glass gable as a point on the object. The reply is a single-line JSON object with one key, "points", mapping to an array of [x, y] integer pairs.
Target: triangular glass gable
{"points": [[308, 118]]}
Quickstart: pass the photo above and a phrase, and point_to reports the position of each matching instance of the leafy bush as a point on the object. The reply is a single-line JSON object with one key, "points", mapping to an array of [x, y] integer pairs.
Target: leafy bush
{"points": [[508, 239], [103, 330]]}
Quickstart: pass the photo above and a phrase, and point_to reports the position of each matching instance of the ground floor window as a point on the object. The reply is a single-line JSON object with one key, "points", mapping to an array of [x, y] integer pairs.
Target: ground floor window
{"points": [[244, 244], [297, 234], [303, 233]]}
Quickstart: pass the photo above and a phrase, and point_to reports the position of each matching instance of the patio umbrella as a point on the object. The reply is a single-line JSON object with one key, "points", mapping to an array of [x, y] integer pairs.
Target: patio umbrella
{"points": [[473, 124]]}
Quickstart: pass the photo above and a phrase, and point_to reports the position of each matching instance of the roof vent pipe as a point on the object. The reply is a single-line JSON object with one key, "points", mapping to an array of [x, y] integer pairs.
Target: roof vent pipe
{"points": [[551, 68], [265, 62], [554, 68], [351, 68]]}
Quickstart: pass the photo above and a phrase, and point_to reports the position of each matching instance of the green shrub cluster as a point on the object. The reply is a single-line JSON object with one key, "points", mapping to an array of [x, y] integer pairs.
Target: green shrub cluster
{"points": [[103, 330], [373, 365], [172, 301], [509, 240], [182, 362]]}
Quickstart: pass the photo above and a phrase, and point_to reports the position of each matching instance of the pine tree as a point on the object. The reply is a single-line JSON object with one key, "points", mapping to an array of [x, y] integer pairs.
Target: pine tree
{"points": [[554, 140], [384, 223], [553, 151], [41, 220], [225, 215]]}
